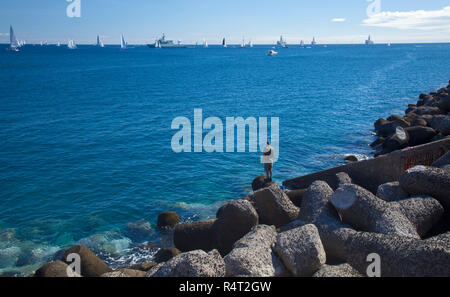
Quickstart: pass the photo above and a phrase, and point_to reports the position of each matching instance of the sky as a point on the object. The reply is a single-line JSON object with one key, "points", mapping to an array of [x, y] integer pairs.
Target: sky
{"points": [[262, 21]]}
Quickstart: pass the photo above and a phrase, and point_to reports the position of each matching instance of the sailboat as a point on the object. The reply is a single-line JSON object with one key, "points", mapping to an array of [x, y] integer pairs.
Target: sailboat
{"points": [[205, 43], [123, 44], [224, 43], [13, 42], [99, 43], [302, 43], [243, 43], [58, 44], [314, 42], [389, 44], [250, 44], [71, 44]]}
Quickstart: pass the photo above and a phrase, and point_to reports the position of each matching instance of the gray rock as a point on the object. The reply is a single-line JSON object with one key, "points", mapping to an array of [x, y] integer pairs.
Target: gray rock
{"points": [[55, 269], [440, 123], [234, 220], [431, 110], [252, 255], [391, 192], [424, 212], [342, 270], [442, 161], [316, 201], [430, 181], [125, 272], [195, 236], [333, 234], [444, 103], [165, 254], [442, 239], [343, 178], [301, 250], [400, 256], [420, 135], [191, 264], [274, 207], [261, 182], [366, 212], [91, 265], [292, 225], [296, 196], [397, 141]]}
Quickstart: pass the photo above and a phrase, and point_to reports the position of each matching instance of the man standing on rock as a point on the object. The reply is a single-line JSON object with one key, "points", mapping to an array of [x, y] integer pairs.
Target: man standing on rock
{"points": [[267, 160]]}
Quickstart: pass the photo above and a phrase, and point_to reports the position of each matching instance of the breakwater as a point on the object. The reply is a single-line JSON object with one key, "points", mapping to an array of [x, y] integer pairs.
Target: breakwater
{"points": [[326, 224]]}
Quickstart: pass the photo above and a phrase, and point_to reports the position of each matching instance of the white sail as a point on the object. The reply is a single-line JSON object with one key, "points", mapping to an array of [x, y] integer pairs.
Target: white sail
{"points": [[205, 43], [13, 42], [123, 44], [99, 42], [243, 43], [224, 43], [250, 43], [71, 44]]}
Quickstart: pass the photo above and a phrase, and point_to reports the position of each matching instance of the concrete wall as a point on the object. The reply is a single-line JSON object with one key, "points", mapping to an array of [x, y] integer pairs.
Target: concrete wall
{"points": [[374, 172]]}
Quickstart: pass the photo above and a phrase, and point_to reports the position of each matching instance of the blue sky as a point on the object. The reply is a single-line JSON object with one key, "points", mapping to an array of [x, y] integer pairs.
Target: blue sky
{"points": [[263, 21]]}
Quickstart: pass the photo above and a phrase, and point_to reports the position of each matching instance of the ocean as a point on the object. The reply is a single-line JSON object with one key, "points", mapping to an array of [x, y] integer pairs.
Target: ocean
{"points": [[86, 134]]}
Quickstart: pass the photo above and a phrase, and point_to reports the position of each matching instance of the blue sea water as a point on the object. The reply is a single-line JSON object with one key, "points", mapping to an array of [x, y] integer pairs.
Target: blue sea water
{"points": [[86, 134]]}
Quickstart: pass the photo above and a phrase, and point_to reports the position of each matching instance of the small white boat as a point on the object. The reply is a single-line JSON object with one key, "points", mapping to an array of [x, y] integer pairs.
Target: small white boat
{"points": [[99, 42], [58, 44], [13, 42], [272, 53], [205, 43], [250, 44], [243, 43], [123, 43], [71, 44], [389, 44]]}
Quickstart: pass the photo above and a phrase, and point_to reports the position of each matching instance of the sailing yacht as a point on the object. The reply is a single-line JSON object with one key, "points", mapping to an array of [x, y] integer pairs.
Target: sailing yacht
{"points": [[99, 42], [314, 42], [71, 44], [123, 43], [13, 42], [389, 44], [58, 44], [224, 43], [243, 43], [302, 43], [205, 43], [250, 44]]}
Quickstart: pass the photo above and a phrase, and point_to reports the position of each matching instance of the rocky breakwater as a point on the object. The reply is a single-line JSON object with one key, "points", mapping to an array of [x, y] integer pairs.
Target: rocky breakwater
{"points": [[426, 121]]}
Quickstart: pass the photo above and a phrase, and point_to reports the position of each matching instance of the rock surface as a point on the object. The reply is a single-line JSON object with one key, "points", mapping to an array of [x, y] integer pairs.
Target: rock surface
{"points": [[165, 254], [431, 181], [391, 192], [261, 182], [55, 269], [274, 207], [252, 255], [366, 212], [400, 256], [234, 220], [168, 219], [342, 270], [195, 236], [315, 201], [191, 264], [424, 212], [124, 272], [301, 250], [91, 265]]}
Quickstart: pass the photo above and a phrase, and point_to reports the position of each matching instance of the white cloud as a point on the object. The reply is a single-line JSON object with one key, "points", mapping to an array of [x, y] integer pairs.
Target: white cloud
{"points": [[418, 19], [338, 20]]}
